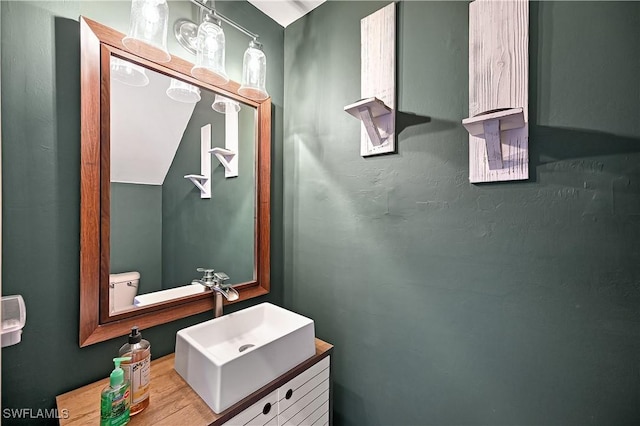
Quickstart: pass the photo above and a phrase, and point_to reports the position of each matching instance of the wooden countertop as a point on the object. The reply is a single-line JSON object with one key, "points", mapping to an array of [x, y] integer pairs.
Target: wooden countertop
{"points": [[172, 399]]}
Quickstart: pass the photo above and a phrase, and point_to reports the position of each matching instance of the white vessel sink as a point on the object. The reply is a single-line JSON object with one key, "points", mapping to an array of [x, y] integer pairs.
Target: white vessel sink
{"points": [[227, 358]]}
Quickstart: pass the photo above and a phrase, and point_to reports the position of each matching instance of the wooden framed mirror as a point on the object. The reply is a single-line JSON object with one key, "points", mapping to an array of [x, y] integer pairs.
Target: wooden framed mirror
{"points": [[99, 321]]}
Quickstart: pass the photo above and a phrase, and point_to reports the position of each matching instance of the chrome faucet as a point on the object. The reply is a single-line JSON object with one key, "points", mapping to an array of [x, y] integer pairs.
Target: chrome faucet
{"points": [[215, 282]]}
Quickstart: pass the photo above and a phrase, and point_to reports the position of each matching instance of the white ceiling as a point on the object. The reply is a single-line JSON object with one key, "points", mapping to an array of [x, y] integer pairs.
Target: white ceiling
{"points": [[285, 12]]}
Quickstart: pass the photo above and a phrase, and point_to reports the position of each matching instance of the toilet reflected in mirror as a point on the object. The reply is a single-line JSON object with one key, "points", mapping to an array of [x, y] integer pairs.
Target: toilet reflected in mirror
{"points": [[122, 290]]}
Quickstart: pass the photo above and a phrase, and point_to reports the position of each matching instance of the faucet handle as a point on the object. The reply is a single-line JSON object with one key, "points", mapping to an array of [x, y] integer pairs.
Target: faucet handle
{"points": [[208, 273], [221, 277]]}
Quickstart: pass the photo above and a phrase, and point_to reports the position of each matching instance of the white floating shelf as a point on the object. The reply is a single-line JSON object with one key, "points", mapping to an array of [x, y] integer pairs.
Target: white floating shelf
{"points": [[366, 110], [222, 151], [226, 156], [509, 119], [376, 108]]}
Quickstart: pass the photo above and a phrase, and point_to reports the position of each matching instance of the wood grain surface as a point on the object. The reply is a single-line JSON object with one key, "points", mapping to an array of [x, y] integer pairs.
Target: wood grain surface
{"points": [[499, 78], [172, 402], [378, 75]]}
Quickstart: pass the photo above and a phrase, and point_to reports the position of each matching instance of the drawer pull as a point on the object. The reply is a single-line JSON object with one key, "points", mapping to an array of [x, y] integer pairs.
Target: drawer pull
{"points": [[289, 394], [267, 408]]}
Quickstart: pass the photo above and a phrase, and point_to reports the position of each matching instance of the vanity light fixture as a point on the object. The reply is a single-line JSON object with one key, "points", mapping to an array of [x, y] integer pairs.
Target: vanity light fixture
{"points": [[183, 92], [208, 44], [254, 72], [127, 73], [210, 50], [147, 35]]}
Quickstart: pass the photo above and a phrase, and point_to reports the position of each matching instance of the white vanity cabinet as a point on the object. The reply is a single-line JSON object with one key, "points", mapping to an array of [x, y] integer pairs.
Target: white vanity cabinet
{"points": [[262, 413], [303, 400]]}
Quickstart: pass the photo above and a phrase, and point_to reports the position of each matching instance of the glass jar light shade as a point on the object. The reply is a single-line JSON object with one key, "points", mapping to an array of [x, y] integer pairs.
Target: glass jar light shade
{"points": [[254, 73], [183, 92], [128, 73], [147, 35], [224, 105], [210, 53]]}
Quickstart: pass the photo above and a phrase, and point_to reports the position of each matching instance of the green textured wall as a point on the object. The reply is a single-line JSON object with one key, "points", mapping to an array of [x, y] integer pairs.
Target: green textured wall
{"points": [[448, 303], [136, 233], [41, 187], [451, 303], [217, 232]]}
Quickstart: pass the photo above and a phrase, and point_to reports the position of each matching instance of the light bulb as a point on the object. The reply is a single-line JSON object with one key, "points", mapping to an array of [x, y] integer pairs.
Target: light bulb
{"points": [[147, 36], [254, 73], [210, 53]]}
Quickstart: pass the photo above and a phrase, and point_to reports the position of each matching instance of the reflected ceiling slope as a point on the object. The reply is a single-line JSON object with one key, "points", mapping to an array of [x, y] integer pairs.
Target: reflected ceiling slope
{"points": [[146, 161]]}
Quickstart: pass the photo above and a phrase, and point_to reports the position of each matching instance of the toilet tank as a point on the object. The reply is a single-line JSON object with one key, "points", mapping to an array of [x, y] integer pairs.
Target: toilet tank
{"points": [[123, 288]]}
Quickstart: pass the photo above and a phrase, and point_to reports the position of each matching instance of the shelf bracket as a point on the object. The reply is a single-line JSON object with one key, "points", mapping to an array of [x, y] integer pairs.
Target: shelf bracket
{"points": [[489, 125], [369, 110], [203, 180], [200, 182], [226, 157], [372, 130]]}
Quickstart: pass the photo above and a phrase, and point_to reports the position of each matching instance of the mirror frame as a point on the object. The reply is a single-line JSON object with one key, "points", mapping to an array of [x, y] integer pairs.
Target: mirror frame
{"points": [[97, 43]]}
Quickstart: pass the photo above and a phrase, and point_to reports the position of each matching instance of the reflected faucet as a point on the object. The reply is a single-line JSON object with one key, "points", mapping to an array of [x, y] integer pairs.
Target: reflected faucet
{"points": [[215, 281]]}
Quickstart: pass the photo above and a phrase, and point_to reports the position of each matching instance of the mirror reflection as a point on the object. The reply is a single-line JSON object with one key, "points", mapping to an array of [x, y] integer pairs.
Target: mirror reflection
{"points": [[170, 213]]}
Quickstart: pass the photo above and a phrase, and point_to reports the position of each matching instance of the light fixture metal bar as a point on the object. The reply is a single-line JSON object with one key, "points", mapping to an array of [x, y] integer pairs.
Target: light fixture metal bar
{"points": [[225, 19]]}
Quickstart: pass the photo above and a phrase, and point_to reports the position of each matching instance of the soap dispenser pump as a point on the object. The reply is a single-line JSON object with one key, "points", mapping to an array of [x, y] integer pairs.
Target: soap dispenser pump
{"points": [[138, 370], [114, 400]]}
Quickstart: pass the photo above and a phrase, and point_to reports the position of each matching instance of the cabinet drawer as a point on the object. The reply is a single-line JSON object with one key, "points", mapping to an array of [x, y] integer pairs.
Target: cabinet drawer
{"points": [[262, 413], [308, 409], [300, 385], [320, 417], [305, 399]]}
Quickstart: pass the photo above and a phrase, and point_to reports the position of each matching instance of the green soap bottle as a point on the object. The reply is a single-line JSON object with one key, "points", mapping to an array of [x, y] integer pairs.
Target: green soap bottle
{"points": [[114, 400]]}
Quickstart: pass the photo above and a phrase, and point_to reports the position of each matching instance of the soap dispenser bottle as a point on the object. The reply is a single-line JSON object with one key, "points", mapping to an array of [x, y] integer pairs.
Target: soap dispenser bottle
{"points": [[138, 370], [114, 400]]}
